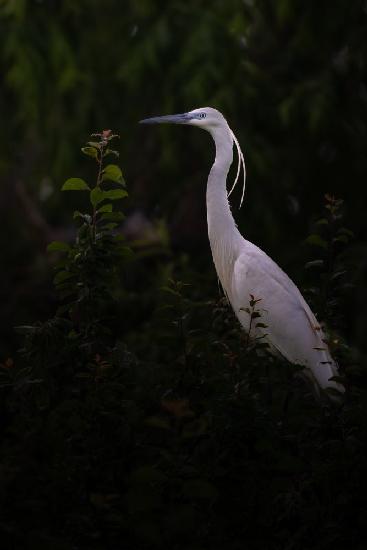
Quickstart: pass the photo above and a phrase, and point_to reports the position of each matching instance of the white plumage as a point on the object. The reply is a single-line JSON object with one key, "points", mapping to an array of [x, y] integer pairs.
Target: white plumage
{"points": [[244, 269]]}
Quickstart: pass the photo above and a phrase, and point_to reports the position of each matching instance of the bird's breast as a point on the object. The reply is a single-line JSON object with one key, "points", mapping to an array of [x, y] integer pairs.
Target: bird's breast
{"points": [[224, 257]]}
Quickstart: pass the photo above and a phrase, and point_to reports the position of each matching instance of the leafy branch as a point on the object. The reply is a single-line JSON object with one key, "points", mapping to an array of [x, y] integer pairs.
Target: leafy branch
{"points": [[254, 326], [86, 275], [329, 239]]}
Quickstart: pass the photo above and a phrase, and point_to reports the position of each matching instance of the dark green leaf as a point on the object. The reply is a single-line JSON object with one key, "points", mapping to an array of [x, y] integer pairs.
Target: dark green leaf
{"points": [[255, 314], [170, 291], [341, 239], [58, 246], [75, 184], [85, 217], [112, 152], [110, 226], [90, 151], [345, 231], [112, 172], [105, 208], [96, 196], [113, 216], [263, 345], [338, 274], [124, 251], [316, 240], [115, 194]]}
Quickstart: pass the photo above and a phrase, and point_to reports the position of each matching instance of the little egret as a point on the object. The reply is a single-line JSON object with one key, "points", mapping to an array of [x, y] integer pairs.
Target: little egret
{"points": [[244, 269]]}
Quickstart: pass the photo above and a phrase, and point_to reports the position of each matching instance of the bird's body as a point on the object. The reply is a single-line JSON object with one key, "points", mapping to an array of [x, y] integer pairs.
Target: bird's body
{"points": [[244, 269]]}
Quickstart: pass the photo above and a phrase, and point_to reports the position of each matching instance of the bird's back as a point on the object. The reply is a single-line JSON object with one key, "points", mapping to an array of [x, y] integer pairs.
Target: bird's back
{"points": [[291, 327]]}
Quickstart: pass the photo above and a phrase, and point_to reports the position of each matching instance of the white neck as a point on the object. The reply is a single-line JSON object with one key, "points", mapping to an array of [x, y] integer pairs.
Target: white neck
{"points": [[224, 236]]}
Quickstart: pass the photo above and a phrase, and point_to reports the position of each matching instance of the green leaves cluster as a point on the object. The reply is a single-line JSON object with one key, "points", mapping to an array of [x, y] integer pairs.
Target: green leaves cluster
{"points": [[329, 269], [85, 278]]}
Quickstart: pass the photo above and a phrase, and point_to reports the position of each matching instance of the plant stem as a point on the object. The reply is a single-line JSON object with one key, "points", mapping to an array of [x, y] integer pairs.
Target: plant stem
{"points": [[247, 341], [99, 177]]}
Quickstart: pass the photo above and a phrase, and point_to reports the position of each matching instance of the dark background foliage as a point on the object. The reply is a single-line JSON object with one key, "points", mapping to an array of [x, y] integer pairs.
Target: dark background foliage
{"points": [[166, 430]]}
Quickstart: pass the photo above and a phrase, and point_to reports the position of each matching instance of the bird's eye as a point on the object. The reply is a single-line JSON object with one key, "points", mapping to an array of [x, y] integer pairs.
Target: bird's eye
{"points": [[202, 115]]}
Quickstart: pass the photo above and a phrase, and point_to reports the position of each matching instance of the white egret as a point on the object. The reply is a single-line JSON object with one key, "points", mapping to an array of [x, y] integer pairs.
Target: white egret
{"points": [[244, 269]]}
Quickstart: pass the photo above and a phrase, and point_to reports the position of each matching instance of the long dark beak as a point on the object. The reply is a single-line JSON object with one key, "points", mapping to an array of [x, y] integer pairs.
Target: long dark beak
{"points": [[168, 119]]}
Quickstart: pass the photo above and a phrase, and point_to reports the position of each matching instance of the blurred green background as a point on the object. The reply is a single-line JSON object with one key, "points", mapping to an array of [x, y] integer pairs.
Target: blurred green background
{"points": [[289, 76]]}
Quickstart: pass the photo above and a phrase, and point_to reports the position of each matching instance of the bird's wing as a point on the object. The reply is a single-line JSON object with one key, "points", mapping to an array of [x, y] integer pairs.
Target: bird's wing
{"points": [[291, 326]]}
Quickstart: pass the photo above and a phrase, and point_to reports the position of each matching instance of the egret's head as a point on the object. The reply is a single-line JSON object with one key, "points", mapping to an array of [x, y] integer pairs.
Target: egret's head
{"points": [[214, 122], [206, 118]]}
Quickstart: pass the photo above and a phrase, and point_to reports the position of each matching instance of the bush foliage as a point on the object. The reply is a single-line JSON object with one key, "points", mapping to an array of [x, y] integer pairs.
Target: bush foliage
{"points": [[185, 433]]}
